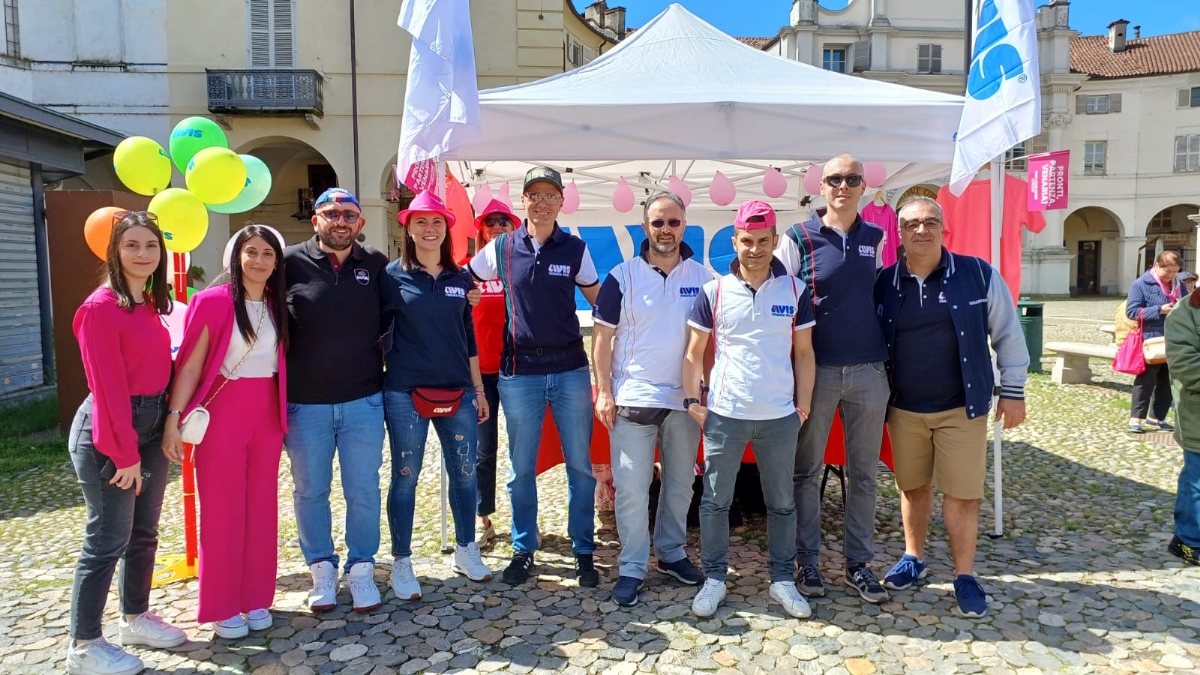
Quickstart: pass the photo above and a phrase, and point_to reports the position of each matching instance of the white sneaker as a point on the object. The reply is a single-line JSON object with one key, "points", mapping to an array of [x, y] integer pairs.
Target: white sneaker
{"points": [[361, 579], [101, 657], [468, 563], [404, 582], [325, 582], [150, 630], [259, 619], [232, 628], [709, 598], [786, 594]]}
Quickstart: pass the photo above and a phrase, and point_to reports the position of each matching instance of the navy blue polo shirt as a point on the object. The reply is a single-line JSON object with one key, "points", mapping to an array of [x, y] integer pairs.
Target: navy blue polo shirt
{"points": [[541, 330], [840, 273], [433, 334], [927, 372]]}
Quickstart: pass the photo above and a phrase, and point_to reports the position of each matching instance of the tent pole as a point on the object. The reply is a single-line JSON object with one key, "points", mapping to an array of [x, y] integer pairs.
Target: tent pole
{"points": [[997, 179]]}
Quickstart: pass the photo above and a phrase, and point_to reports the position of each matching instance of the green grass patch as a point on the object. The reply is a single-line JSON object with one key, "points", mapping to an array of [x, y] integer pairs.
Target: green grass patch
{"points": [[29, 437]]}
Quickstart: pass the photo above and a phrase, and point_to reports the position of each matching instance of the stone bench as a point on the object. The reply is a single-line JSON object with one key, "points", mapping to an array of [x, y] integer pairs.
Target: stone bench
{"points": [[1071, 360]]}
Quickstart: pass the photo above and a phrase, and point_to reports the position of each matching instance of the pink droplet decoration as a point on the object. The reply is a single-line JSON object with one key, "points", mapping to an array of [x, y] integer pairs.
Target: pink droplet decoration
{"points": [[503, 195], [676, 185], [875, 174], [812, 179], [483, 196], [623, 197], [721, 191], [774, 184], [570, 198]]}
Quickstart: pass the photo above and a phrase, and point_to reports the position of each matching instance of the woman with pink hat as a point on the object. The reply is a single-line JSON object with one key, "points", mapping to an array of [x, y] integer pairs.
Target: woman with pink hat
{"points": [[432, 376], [495, 219]]}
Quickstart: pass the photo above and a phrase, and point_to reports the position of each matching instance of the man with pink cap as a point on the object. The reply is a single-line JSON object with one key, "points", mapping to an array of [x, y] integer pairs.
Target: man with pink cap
{"points": [[760, 320]]}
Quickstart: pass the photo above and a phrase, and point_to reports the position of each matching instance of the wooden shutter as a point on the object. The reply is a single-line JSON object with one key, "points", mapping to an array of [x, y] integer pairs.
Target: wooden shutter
{"points": [[283, 36], [862, 56], [260, 33], [1185, 98], [1114, 103], [935, 58], [1081, 104]]}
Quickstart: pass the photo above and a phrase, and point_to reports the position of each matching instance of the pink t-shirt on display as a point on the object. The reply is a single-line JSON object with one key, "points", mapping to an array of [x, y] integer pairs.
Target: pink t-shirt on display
{"points": [[885, 217]]}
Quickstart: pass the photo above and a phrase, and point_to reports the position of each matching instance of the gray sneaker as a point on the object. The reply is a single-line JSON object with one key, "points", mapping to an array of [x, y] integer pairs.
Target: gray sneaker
{"points": [[809, 582], [862, 579]]}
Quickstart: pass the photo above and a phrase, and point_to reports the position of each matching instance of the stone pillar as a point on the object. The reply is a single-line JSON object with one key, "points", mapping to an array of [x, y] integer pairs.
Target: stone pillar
{"points": [[1129, 270]]}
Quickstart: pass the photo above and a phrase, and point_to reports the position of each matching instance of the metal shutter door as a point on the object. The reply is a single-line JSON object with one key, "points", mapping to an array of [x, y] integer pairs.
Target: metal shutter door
{"points": [[20, 322]]}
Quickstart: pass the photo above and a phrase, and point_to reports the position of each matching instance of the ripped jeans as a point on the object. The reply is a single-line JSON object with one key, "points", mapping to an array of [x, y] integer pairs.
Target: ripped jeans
{"points": [[407, 432]]}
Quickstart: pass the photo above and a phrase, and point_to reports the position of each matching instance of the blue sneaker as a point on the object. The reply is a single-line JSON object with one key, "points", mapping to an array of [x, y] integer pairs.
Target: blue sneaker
{"points": [[972, 599], [683, 570], [905, 573], [1161, 425], [625, 592]]}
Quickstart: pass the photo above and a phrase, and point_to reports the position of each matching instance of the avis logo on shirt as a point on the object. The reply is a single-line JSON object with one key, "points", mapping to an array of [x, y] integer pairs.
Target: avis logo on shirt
{"points": [[689, 291], [866, 251], [786, 311], [559, 270], [362, 276], [942, 297], [455, 292]]}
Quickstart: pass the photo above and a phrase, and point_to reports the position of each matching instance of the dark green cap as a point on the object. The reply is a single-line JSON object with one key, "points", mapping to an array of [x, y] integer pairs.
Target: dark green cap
{"points": [[543, 174]]}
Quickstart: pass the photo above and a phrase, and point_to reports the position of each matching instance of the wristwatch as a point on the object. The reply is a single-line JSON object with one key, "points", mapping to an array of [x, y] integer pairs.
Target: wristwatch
{"points": [[687, 402]]}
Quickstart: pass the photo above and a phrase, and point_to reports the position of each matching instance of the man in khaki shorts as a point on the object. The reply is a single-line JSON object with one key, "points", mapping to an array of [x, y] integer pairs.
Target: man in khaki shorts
{"points": [[938, 311]]}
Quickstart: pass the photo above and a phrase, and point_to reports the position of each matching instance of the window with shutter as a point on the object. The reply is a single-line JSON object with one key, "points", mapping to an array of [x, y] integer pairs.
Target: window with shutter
{"points": [[282, 29], [929, 58], [272, 33], [862, 56], [1114, 103], [1187, 153]]}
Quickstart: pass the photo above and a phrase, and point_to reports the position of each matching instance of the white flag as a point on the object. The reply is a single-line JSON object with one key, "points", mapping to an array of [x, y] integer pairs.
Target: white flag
{"points": [[441, 98], [1004, 96]]}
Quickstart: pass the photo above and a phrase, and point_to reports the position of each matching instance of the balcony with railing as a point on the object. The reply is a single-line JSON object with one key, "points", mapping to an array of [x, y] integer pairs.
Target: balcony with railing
{"points": [[270, 92]]}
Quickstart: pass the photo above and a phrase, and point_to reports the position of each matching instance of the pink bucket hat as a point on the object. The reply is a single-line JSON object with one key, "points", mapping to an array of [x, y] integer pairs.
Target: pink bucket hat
{"points": [[495, 206], [428, 202], [753, 208]]}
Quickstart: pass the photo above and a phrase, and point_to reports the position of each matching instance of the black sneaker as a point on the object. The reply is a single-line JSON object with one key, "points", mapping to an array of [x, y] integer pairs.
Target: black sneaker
{"points": [[683, 570], [862, 579], [585, 571], [518, 570], [625, 592], [1184, 552], [809, 582]]}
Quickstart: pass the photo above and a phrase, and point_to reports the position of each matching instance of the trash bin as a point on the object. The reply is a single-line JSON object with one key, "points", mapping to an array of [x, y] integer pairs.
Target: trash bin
{"points": [[1031, 326]]}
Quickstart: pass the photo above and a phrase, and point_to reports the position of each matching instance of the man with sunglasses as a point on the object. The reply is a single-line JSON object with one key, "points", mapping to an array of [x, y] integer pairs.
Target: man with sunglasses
{"points": [[544, 361], [834, 254], [638, 342], [939, 311], [335, 400]]}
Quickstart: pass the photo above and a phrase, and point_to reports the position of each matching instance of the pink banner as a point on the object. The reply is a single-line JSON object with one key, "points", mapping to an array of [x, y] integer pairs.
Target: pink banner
{"points": [[1048, 180]]}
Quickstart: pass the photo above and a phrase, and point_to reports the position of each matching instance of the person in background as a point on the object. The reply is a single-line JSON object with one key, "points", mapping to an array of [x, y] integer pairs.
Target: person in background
{"points": [[1182, 328], [1189, 281], [495, 219], [432, 376], [232, 363], [114, 446], [1153, 296]]}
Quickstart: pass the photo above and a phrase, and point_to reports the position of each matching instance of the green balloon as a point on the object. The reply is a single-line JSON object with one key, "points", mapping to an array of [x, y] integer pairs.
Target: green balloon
{"points": [[258, 186], [190, 292], [192, 135]]}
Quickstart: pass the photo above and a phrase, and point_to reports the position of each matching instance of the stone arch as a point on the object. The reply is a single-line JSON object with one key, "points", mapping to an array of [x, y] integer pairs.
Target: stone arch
{"points": [[1094, 236], [1170, 229], [299, 172]]}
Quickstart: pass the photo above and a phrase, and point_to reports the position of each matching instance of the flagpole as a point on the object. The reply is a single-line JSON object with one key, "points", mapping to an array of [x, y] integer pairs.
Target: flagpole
{"points": [[997, 178]]}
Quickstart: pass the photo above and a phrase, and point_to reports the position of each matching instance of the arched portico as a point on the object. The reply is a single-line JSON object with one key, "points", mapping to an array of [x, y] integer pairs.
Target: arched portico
{"points": [[1094, 236]]}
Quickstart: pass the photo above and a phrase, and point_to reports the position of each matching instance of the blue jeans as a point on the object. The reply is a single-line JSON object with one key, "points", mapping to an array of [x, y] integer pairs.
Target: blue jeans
{"points": [[861, 392], [354, 430], [121, 526], [407, 432], [489, 441], [524, 398], [633, 471], [725, 442], [1187, 500]]}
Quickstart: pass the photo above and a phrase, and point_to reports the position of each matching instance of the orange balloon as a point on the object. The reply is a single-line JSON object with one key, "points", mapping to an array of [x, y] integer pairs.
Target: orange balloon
{"points": [[98, 230]]}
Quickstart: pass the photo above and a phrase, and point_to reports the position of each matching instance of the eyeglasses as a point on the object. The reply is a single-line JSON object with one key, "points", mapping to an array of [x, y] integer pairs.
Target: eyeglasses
{"points": [[852, 180], [122, 215], [543, 197], [673, 222], [334, 215], [931, 225], [497, 221]]}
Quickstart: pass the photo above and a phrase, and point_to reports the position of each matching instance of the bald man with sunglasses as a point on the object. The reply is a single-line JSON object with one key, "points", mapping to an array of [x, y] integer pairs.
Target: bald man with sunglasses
{"points": [[834, 254]]}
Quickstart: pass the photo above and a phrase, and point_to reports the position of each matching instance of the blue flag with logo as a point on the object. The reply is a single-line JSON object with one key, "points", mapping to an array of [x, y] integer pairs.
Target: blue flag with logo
{"points": [[1003, 103]]}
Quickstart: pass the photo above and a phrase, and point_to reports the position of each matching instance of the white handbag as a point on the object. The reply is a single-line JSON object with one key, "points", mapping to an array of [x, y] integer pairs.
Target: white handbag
{"points": [[193, 427]]}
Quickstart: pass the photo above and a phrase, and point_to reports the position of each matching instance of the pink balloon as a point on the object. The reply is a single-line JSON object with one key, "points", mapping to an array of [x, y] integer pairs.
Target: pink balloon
{"points": [[812, 179], [875, 174], [774, 184], [570, 198], [676, 185], [503, 196], [483, 195], [721, 191], [623, 198]]}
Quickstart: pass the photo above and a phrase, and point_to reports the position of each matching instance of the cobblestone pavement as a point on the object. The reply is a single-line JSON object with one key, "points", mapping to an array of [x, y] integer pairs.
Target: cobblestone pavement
{"points": [[1080, 581]]}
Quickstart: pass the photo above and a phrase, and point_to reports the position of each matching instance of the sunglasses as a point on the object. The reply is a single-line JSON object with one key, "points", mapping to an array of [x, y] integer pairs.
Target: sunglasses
{"points": [[122, 215], [536, 197], [852, 180], [497, 221], [334, 215], [674, 222], [931, 225]]}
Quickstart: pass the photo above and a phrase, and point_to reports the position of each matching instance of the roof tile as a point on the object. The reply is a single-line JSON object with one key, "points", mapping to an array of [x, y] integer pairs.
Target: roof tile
{"points": [[1160, 55]]}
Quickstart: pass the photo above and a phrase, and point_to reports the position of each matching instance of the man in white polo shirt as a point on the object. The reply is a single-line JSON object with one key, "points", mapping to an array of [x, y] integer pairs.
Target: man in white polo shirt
{"points": [[638, 341], [760, 319]]}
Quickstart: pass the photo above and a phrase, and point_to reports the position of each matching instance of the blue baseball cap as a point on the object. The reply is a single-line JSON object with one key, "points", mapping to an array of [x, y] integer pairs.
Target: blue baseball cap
{"points": [[335, 196]]}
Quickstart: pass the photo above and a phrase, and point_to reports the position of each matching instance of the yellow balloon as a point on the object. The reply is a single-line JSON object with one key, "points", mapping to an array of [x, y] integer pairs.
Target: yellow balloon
{"points": [[181, 217], [216, 175], [142, 165]]}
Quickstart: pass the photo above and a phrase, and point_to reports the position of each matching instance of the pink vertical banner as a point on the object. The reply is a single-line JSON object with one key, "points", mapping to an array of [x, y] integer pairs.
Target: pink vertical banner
{"points": [[1048, 180]]}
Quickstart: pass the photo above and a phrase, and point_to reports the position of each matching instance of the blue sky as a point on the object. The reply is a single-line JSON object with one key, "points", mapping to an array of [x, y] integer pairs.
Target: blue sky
{"points": [[764, 18]]}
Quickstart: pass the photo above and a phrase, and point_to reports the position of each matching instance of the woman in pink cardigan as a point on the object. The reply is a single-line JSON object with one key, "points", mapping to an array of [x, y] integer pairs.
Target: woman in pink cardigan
{"points": [[232, 363]]}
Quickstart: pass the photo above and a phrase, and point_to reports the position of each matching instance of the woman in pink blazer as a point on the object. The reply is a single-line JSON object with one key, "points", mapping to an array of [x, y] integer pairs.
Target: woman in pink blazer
{"points": [[232, 363]]}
